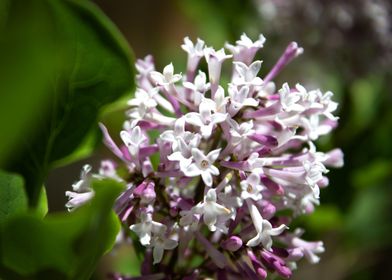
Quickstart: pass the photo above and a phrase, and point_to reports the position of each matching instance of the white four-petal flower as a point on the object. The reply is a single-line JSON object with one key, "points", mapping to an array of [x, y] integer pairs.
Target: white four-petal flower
{"points": [[240, 132], [247, 75], [210, 209], [251, 187], [239, 99], [146, 228], [263, 228], [203, 165], [290, 99], [198, 87], [160, 243], [245, 49], [133, 141], [167, 78], [193, 50], [205, 119]]}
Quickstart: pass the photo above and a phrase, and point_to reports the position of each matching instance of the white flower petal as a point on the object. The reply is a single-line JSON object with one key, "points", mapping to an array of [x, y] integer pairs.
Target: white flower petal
{"points": [[207, 178], [213, 155], [213, 170], [170, 244], [192, 170], [198, 156], [194, 119], [218, 118], [278, 230], [157, 254]]}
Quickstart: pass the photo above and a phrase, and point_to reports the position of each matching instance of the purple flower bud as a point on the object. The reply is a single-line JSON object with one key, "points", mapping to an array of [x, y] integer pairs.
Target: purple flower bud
{"points": [[257, 265], [124, 199], [108, 141], [324, 182], [262, 273], [335, 158], [289, 54], [148, 151], [274, 262], [282, 270], [140, 188], [148, 194], [233, 243], [272, 186], [266, 140], [267, 209]]}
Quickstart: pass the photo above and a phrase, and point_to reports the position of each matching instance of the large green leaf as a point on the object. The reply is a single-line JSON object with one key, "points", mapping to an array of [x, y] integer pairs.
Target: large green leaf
{"points": [[61, 246], [13, 198], [28, 63], [95, 69]]}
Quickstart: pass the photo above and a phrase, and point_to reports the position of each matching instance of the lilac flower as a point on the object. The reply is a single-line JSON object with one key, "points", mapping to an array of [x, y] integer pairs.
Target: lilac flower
{"points": [[167, 78], [146, 99], [247, 75], [210, 209], [215, 59], [228, 162], [239, 99], [198, 88], [251, 187], [205, 120], [161, 243], [230, 200], [85, 179], [263, 228], [245, 49], [289, 100], [195, 53], [82, 191], [133, 141], [77, 199], [203, 165], [146, 228], [240, 133], [289, 54]]}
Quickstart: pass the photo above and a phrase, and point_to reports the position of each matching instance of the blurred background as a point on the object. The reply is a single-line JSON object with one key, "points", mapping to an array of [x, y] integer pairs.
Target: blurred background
{"points": [[348, 50]]}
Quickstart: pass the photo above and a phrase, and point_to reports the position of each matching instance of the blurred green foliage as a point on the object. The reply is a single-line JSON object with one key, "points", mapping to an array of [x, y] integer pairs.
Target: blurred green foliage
{"points": [[13, 198], [62, 62], [60, 246], [92, 68]]}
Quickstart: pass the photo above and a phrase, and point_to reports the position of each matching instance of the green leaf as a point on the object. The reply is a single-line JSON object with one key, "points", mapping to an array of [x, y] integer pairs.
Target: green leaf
{"points": [[28, 62], [95, 69], [62, 246], [13, 198], [42, 206]]}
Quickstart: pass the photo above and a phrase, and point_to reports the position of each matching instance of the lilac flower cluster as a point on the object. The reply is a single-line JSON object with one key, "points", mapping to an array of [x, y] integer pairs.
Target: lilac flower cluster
{"points": [[230, 160]]}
